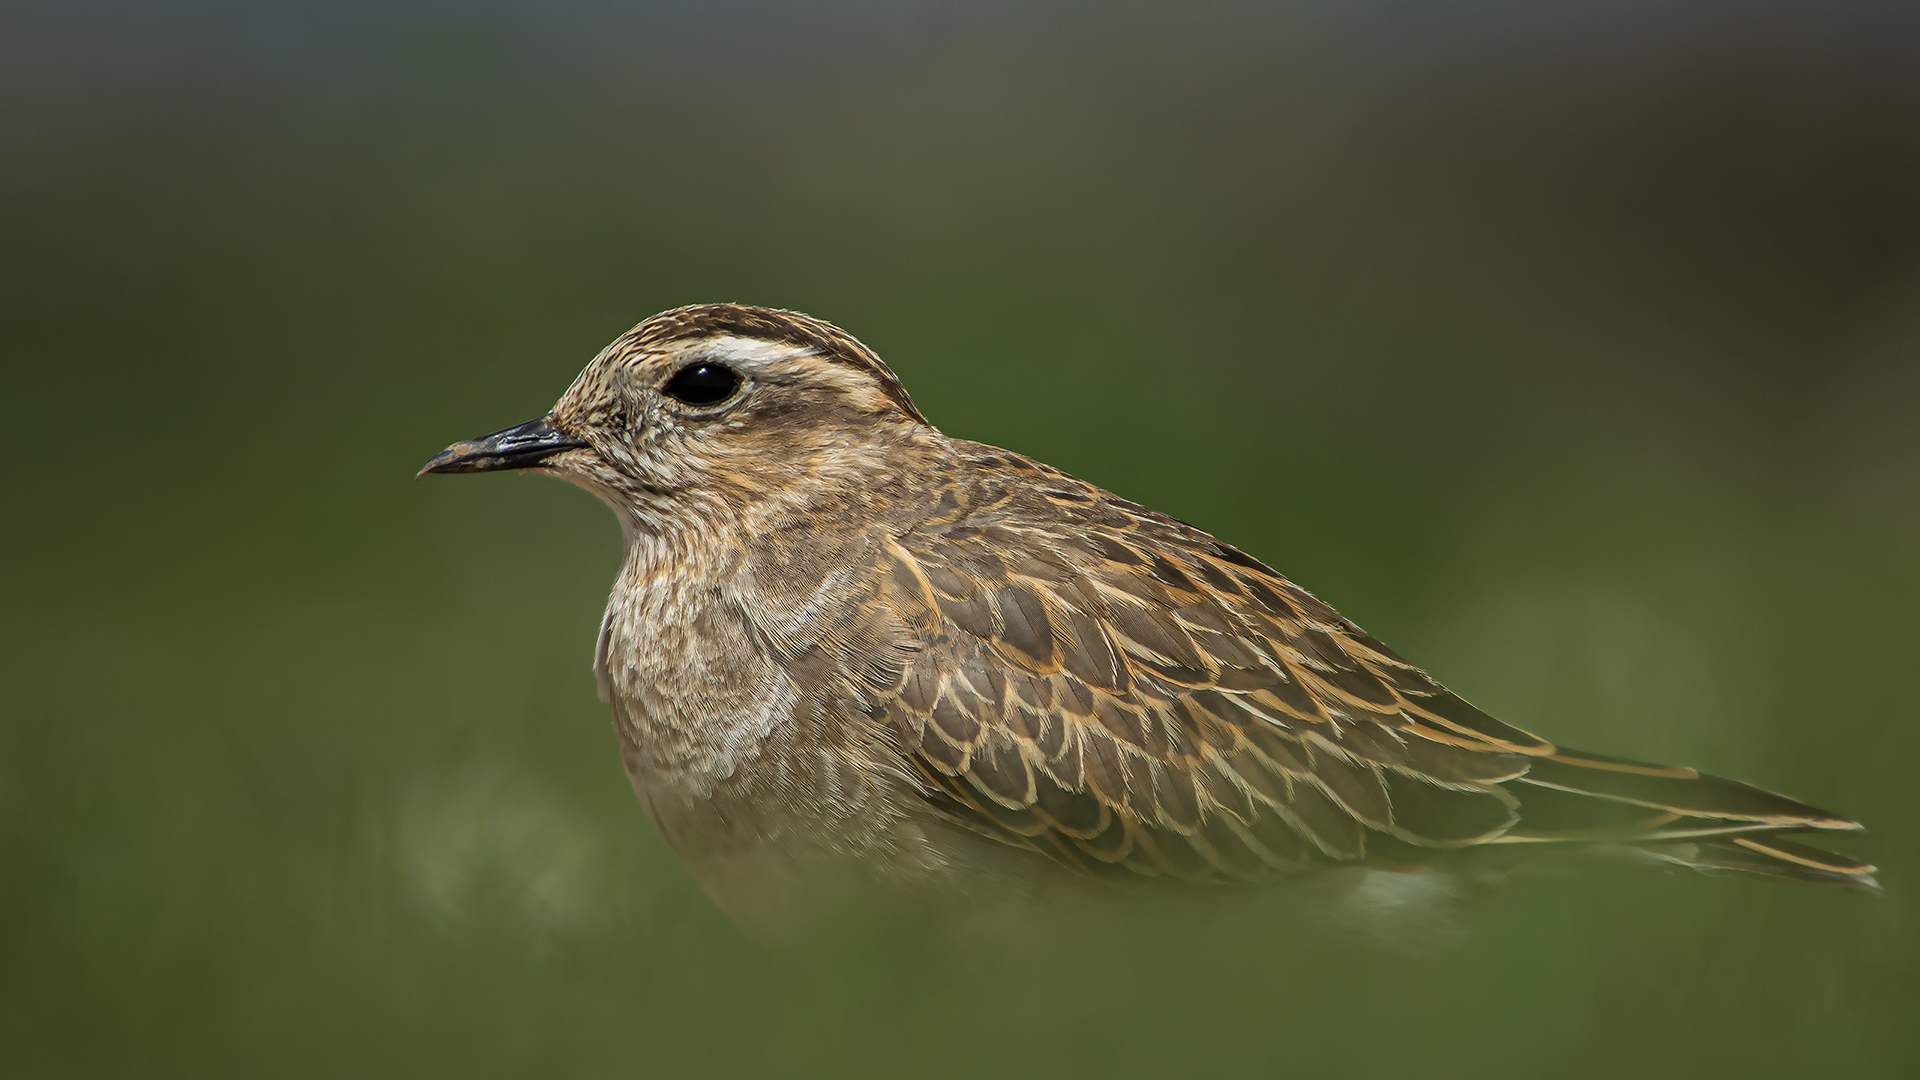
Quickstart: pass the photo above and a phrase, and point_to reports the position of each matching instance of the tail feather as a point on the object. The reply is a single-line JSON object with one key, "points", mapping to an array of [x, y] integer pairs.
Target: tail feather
{"points": [[1676, 789], [1680, 816], [1772, 858]]}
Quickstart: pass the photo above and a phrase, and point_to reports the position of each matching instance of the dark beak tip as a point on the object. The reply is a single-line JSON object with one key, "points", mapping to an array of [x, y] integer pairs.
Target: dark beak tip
{"points": [[438, 462]]}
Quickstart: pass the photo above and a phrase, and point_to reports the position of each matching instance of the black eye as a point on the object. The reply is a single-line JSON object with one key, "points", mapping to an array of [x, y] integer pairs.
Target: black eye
{"points": [[702, 384]]}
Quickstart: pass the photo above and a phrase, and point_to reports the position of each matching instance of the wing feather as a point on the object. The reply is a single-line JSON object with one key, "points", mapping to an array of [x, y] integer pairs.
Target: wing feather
{"points": [[1124, 694]]}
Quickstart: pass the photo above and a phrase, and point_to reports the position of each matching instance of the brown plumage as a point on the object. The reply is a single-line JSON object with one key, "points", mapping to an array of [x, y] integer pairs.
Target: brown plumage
{"points": [[839, 635]]}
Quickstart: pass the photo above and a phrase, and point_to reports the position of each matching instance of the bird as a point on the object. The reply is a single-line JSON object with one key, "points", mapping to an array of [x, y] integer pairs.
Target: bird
{"points": [[844, 644]]}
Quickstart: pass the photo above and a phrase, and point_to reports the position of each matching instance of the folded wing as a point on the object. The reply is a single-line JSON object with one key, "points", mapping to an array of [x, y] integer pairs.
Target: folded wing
{"points": [[1125, 694]]}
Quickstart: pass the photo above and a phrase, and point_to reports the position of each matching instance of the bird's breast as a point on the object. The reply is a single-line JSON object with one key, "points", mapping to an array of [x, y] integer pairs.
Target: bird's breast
{"points": [[693, 693]]}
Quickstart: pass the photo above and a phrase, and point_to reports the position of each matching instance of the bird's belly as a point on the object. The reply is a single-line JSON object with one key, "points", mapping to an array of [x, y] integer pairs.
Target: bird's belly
{"points": [[784, 879]]}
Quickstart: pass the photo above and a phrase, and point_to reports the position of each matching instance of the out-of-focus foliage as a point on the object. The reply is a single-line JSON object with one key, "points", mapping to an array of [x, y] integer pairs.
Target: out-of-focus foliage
{"points": [[1573, 349]]}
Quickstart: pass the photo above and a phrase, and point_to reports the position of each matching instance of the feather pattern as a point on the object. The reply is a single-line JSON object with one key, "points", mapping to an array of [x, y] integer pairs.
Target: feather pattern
{"points": [[1123, 693]]}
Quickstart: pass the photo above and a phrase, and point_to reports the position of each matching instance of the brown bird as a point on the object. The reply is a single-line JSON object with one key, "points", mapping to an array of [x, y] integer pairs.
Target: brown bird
{"points": [[840, 636]]}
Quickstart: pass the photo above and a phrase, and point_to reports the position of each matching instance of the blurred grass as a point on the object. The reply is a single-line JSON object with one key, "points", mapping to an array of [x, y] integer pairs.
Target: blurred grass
{"points": [[1573, 350]]}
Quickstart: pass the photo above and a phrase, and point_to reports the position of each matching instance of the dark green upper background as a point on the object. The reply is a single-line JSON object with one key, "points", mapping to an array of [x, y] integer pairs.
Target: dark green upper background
{"points": [[1572, 349]]}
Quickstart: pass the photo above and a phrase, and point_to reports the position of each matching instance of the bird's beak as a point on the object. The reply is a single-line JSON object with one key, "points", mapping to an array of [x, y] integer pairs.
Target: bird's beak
{"points": [[516, 447]]}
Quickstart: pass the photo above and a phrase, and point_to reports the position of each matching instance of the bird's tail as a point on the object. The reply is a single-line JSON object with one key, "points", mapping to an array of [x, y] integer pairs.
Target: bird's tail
{"points": [[1678, 815]]}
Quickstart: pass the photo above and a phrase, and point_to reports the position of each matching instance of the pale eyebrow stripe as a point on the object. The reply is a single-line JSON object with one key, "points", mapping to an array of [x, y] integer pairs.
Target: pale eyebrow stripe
{"points": [[767, 324]]}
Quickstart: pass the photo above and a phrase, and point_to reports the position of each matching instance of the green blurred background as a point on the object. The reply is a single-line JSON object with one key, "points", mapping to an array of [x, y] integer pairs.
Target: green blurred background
{"points": [[1572, 348]]}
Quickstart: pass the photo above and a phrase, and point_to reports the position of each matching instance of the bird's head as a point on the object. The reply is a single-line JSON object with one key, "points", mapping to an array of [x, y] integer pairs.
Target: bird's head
{"points": [[711, 403]]}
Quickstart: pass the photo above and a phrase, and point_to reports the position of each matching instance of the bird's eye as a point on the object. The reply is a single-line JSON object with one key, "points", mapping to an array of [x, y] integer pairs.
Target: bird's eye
{"points": [[702, 384]]}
